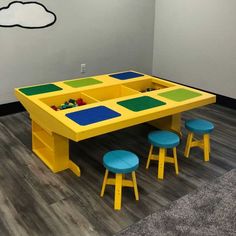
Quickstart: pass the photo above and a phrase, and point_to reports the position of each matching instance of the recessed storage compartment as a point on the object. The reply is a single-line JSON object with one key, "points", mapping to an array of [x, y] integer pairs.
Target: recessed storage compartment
{"points": [[110, 92], [50, 147], [42, 143], [147, 85], [59, 100]]}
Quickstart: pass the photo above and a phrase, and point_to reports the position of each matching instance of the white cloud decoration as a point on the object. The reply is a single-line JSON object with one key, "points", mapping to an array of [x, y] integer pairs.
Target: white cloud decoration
{"points": [[31, 15]]}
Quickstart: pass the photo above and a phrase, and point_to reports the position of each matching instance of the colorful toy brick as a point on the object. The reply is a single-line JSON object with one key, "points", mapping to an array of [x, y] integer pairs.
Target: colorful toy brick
{"points": [[69, 104]]}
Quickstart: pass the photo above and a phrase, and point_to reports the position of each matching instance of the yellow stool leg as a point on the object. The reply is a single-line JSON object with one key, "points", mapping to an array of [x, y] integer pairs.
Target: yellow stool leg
{"points": [[135, 186], [188, 144], [209, 144], [161, 163], [104, 183], [206, 143], [175, 161], [118, 192], [149, 157]]}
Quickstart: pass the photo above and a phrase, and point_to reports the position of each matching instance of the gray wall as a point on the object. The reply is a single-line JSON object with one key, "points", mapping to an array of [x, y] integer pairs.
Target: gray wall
{"points": [[107, 35], [195, 43]]}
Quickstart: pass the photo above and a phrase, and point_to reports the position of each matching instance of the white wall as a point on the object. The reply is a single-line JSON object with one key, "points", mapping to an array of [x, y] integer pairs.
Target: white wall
{"points": [[107, 35], [195, 43]]}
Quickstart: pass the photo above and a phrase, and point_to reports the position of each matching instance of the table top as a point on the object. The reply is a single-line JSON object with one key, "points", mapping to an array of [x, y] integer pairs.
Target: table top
{"points": [[113, 101]]}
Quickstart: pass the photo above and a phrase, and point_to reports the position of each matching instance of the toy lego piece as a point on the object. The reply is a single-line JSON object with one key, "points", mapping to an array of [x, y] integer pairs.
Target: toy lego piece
{"points": [[79, 101], [147, 90], [72, 101], [150, 89], [54, 108], [70, 105], [63, 106]]}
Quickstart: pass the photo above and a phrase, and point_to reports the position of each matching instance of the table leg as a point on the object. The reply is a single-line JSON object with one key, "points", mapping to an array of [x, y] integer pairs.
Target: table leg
{"points": [[172, 123], [52, 149]]}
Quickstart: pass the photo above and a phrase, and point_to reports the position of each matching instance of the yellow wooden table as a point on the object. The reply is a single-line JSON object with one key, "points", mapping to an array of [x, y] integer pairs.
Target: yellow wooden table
{"points": [[113, 102]]}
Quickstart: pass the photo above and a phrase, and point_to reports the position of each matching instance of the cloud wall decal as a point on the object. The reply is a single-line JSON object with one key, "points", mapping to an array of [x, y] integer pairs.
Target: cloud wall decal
{"points": [[30, 15]]}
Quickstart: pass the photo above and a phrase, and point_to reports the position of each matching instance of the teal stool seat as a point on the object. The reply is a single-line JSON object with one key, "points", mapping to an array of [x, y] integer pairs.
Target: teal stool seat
{"points": [[199, 126], [120, 161], [163, 139]]}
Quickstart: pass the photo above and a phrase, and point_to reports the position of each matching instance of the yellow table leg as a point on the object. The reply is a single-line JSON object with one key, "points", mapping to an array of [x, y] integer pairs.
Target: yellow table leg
{"points": [[52, 149], [118, 192], [188, 144], [172, 123], [206, 143], [161, 163], [74, 168], [149, 157], [135, 186], [175, 161]]}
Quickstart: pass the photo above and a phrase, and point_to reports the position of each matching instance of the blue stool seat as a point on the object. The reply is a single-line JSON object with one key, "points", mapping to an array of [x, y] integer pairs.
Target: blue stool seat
{"points": [[163, 139], [120, 161], [199, 126]]}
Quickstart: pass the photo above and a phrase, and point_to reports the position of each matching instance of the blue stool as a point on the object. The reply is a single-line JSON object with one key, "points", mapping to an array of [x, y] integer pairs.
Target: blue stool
{"points": [[163, 140], [120, 162], [202, 127]]}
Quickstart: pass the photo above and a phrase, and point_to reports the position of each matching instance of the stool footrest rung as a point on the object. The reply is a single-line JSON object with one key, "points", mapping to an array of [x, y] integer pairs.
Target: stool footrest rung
{"points": [[197, 143], [167, 158], [125, 182]]}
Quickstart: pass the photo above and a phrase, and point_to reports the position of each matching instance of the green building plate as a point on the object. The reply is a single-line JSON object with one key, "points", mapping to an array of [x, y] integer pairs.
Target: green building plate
{"points": [[82, 82], [179, 95], [141, 103], [35, 90]]}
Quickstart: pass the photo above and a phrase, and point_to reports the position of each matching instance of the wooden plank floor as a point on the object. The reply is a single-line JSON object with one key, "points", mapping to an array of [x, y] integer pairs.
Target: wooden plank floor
{"points": [[34, 201]]}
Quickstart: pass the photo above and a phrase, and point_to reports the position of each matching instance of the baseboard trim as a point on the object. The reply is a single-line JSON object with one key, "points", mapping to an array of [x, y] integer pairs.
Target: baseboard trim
{"points": [[11, 108], [226, 101]]}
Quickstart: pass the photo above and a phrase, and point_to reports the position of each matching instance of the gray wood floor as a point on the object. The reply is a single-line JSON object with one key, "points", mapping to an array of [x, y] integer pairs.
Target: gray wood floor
{"points": [[34, 201]]}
